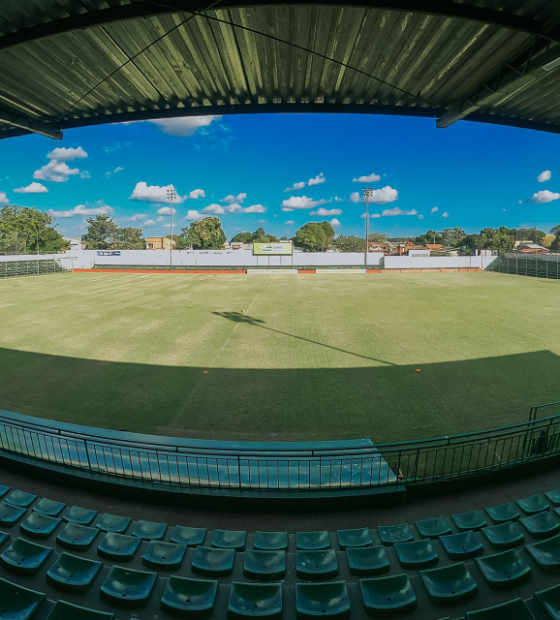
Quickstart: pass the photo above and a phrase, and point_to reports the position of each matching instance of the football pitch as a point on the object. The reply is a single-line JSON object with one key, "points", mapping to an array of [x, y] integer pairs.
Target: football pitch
{"points": [[280, 357]]}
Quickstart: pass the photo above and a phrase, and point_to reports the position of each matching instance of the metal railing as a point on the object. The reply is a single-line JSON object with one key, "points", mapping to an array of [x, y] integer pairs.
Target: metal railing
{"points": [[33, 266], [534, 265], [268, 467]]}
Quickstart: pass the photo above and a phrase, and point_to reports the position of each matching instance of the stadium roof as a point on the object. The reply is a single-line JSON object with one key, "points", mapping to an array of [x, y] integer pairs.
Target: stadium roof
{"points": [[71, 63]]}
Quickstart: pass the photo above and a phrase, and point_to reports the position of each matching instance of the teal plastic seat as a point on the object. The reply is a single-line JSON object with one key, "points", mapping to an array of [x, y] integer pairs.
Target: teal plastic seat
{"points": [[20, 499], [271, 541], [213, 562], [434, 528], [504, 535], [112, 523], [4, 489], [190, 536], [189, 597], [504, 570], [255, 600], [17, 602], [449, 583], [128, 587], [546, 554], [387, 595], [367, 560], [313, 564], [463, 545], [532, 505], [503, 513], [512, 610], [118, 547], [72, 572], [325, 600], [9, 515], [78, 515], [391, 534], [38, 525], [148, 530], [472, 520], [264, 564], [360, 537], [312, 540], [552, 496], [228, 539], [67, 611], [49, 507], [540, 525], [549, 599], [77, 537], [416, 554], [164, 555], [24, 556]]}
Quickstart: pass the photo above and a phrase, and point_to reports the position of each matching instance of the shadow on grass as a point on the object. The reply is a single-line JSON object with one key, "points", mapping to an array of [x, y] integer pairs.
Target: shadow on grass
{"points": [[388, 403]]}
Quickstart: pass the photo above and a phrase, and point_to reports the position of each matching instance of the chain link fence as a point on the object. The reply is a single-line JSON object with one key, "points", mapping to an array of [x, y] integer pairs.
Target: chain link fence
{"points": [[19, 266], [534, 265]]}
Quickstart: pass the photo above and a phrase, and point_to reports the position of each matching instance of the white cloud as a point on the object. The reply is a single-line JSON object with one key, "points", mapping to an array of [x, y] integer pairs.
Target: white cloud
{"points": [[320, 178], [261, 221], [255, 209], [149, 224], [97, 208], [214, 208], [544, 176], [84, 174], [193, 214], [445, 214], [137, 217], [153, 193], [160, 218], [195, 194], [290, 222], [3, 199], [185, 126], [57, 170], [301, 202], [115, 171], [335, 222], [434, 210], [367, 178], [326, 212], [395, 211], [378, 196], [32, 188], [421, 217], [543, 196], [338, 199], [166, 211], [231, 198]]}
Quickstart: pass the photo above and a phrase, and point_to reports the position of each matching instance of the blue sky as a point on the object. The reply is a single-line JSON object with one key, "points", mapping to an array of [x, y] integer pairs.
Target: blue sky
{"points": [[469, 175]]}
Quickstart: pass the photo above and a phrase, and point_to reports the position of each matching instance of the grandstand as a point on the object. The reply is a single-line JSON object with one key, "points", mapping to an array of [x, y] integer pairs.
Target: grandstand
{"points": [[101, 523]]}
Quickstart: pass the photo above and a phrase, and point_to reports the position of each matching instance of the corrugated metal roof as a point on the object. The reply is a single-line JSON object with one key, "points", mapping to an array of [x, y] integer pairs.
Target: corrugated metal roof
{"points": [[61, 60]]}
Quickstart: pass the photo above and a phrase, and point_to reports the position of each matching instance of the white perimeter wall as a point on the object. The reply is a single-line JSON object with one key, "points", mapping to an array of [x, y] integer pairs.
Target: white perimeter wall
{"points": [[86, 259]]}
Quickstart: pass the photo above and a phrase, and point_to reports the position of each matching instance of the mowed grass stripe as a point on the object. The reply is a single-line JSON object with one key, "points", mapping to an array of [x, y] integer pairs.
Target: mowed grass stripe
{"points": [[386, 356]]}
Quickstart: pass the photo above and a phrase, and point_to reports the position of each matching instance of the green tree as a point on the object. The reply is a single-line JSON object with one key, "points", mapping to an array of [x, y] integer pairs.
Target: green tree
{"points": [[555, 245], [329, 233], [350, 243], [431, 236], [311, 237], [531, 234], [102, 233], [131, 239], [206, 234], [453, 236], [26, 230], [377, 237], [243, 237], [555, 230], [471, 243]]}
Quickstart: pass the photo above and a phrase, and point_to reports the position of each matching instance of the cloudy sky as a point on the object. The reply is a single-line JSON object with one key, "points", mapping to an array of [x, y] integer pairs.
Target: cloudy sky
{"points": [[280, 171]]}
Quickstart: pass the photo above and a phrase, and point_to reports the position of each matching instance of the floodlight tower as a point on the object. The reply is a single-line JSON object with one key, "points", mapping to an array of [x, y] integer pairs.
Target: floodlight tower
{"points": [[367, 193], [171, 196]]}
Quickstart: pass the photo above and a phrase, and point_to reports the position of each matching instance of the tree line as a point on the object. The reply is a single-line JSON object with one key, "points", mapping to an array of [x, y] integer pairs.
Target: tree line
{"points": [[26, 230]]}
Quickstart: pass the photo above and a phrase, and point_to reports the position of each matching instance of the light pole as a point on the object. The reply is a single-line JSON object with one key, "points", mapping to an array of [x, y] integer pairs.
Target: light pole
{"points": [[367, 193], [171, 195]]}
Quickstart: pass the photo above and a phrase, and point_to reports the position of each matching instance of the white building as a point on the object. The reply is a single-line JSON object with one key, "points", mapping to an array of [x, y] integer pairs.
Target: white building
{"points": [[75, 244]]}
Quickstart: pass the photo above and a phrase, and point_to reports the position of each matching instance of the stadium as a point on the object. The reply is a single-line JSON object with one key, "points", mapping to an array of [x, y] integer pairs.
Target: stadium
{"points": [[261, 432]]}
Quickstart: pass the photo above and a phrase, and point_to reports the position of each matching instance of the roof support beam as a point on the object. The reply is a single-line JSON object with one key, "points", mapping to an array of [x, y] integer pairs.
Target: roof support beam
{"points": [[28, 124], [147, 8], [511, 79]]}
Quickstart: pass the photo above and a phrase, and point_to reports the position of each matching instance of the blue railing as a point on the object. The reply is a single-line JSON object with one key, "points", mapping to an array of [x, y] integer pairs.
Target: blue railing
{"points": [[195, 465]]}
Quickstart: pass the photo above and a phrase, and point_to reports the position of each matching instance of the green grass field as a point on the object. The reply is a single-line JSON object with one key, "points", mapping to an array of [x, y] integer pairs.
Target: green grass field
{"points": [[276, 357]]}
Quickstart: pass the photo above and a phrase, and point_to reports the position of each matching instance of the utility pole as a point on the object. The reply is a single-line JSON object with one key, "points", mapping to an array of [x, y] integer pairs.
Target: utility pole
{"points": [[367, 193], [171, 195]]}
